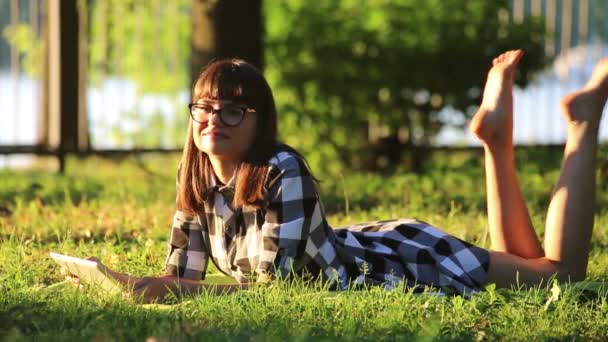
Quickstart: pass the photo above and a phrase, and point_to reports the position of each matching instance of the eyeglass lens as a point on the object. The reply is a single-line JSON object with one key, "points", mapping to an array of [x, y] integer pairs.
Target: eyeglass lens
{"points": [[229, 115]]}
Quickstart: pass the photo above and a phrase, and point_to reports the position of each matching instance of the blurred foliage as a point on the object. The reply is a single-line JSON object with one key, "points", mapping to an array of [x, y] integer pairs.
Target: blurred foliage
{"points": [[143, 41], [357, 83], [130, 40], [342, 68], [28, 44], [146, 42]]}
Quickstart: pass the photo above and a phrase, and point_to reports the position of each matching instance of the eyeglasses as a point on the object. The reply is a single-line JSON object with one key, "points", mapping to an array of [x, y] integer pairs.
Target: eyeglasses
{"points": [[230, 115]]}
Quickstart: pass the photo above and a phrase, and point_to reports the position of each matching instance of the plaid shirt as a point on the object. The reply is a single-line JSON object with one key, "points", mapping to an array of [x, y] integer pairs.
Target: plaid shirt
{"points": [[290, 234]]}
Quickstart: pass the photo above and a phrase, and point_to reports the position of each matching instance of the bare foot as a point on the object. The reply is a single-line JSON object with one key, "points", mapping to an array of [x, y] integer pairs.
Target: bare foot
{"points": [[587, 104], [493, 122]]}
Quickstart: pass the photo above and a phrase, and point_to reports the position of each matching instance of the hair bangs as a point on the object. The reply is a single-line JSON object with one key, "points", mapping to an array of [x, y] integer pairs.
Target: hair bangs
{"points": [[228, 81]]}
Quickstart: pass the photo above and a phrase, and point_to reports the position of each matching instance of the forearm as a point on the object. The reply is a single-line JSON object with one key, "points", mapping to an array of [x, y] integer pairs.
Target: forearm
{"points": [[185, 286], [157, 288]]}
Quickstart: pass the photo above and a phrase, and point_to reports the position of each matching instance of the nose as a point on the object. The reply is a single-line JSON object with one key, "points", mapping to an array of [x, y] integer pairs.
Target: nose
{"points": [[215, 117]]}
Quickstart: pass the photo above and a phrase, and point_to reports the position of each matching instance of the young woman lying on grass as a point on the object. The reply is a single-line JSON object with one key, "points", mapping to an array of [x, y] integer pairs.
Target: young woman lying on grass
{"points": [[249, 204]]}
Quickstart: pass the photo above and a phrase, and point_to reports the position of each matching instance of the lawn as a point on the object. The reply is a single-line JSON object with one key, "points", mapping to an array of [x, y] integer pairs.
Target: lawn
{"points": [[120, 211]]}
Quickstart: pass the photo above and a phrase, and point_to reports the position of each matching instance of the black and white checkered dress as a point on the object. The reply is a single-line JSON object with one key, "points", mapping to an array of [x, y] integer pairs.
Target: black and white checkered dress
{"points": [[291, 235]]}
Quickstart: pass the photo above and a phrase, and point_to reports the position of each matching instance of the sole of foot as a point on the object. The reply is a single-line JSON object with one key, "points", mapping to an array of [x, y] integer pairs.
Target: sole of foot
{"points": [[493, 122]]}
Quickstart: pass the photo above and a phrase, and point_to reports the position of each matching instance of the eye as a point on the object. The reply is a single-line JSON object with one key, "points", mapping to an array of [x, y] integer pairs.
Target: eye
{"points": [[205, 108], [233, 111]]}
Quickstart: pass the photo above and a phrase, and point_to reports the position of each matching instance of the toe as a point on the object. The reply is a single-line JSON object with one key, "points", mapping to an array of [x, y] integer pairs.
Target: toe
{"points": [[517, 55], [511, 57]]}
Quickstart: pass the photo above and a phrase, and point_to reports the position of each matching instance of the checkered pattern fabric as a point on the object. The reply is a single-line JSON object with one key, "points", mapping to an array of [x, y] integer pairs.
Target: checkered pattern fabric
{"points": [[290, 235]]}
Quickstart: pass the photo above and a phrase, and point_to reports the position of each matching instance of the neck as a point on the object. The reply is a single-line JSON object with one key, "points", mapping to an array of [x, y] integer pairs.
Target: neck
{"points": [[223, 168]]}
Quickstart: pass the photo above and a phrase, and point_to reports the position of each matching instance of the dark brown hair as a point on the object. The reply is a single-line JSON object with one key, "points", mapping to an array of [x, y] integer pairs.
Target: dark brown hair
{"points": [[241, 82]]}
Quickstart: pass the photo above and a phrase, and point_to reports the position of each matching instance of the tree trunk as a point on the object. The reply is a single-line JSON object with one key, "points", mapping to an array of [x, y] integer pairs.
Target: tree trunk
{"points": [[64, 81], [225, 29]]}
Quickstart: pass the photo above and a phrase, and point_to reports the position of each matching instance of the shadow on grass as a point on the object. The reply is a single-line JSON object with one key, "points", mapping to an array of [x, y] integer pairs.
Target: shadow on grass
{"points": [[67, 317], [50, 190]]}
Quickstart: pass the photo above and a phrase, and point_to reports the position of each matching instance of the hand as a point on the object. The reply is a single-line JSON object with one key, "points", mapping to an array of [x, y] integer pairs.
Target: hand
{"points": [[147, 289], [150, 289]]}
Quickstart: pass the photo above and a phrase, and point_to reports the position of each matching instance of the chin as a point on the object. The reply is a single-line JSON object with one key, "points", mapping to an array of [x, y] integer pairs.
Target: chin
{"points": [[216, 149], [212, 147]]}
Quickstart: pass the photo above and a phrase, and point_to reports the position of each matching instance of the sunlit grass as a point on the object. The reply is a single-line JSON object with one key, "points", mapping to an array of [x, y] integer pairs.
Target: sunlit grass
{"points": [[121, 213]]}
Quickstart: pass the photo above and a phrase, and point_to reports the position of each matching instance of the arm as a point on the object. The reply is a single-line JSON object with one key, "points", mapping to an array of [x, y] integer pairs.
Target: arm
{"points": [[153, 289], [185, 265]]}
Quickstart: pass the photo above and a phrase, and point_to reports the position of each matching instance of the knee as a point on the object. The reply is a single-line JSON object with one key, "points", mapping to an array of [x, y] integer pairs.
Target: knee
{"points": [[506, 270]]}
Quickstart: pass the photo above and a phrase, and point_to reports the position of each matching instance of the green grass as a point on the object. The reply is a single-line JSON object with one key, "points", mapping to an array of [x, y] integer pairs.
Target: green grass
{"points": [[121, 212]]}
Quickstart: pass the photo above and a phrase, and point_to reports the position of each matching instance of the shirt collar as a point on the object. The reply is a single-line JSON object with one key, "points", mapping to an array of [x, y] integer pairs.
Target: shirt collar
{"points": [[216, 186]]}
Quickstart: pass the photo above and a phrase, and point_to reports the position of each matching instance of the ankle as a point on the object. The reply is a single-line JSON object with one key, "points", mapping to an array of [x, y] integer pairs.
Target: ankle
{"points": [[499, 145], [583, 129]]}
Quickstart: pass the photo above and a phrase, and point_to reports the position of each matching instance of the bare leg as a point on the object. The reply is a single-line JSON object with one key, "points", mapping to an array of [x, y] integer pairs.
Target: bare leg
{"points": [[511, 230], [570, 216]]}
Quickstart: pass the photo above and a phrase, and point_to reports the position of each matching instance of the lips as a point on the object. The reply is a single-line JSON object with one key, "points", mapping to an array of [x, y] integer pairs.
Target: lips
{"points": [[216, 134]]}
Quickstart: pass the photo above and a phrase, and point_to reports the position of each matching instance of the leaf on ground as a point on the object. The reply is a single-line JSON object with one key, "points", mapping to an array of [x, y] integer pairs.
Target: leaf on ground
{"points": [[555, 293]]}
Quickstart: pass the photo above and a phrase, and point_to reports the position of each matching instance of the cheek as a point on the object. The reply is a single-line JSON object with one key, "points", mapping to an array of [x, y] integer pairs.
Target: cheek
{"points": [[246, 134], [251, 131], [196, 134], [197, 127]]}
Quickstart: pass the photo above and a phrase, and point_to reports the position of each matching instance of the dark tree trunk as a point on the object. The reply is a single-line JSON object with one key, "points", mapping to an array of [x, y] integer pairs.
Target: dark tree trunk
{"points": [[202, 42], [225, 29], [69, 75], [64, 80]]}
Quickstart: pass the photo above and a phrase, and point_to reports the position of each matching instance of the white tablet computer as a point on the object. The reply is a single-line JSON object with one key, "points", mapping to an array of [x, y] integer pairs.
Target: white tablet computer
{"points": [[89, 272]]}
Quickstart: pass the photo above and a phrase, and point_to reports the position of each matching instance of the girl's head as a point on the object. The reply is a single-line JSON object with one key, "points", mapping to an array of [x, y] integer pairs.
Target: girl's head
{"points": [[245, 117], [233, 117]]}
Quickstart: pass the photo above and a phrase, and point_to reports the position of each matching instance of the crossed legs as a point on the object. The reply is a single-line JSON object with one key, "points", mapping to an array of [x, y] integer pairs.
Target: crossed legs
{"points": [[517, 256]]}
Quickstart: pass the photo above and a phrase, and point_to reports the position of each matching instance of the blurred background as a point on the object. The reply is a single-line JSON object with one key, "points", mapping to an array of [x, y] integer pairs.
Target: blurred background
{"points": [[365, 85]]}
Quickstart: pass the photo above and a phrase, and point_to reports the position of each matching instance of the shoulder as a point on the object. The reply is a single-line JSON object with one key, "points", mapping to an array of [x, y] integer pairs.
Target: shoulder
{"points": [[284, 158], [289, 177], [288, 163]]}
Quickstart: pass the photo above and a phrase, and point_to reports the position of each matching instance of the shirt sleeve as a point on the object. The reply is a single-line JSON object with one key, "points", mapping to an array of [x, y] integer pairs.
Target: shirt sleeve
{"points": [[295, 232], [187, 254]]}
